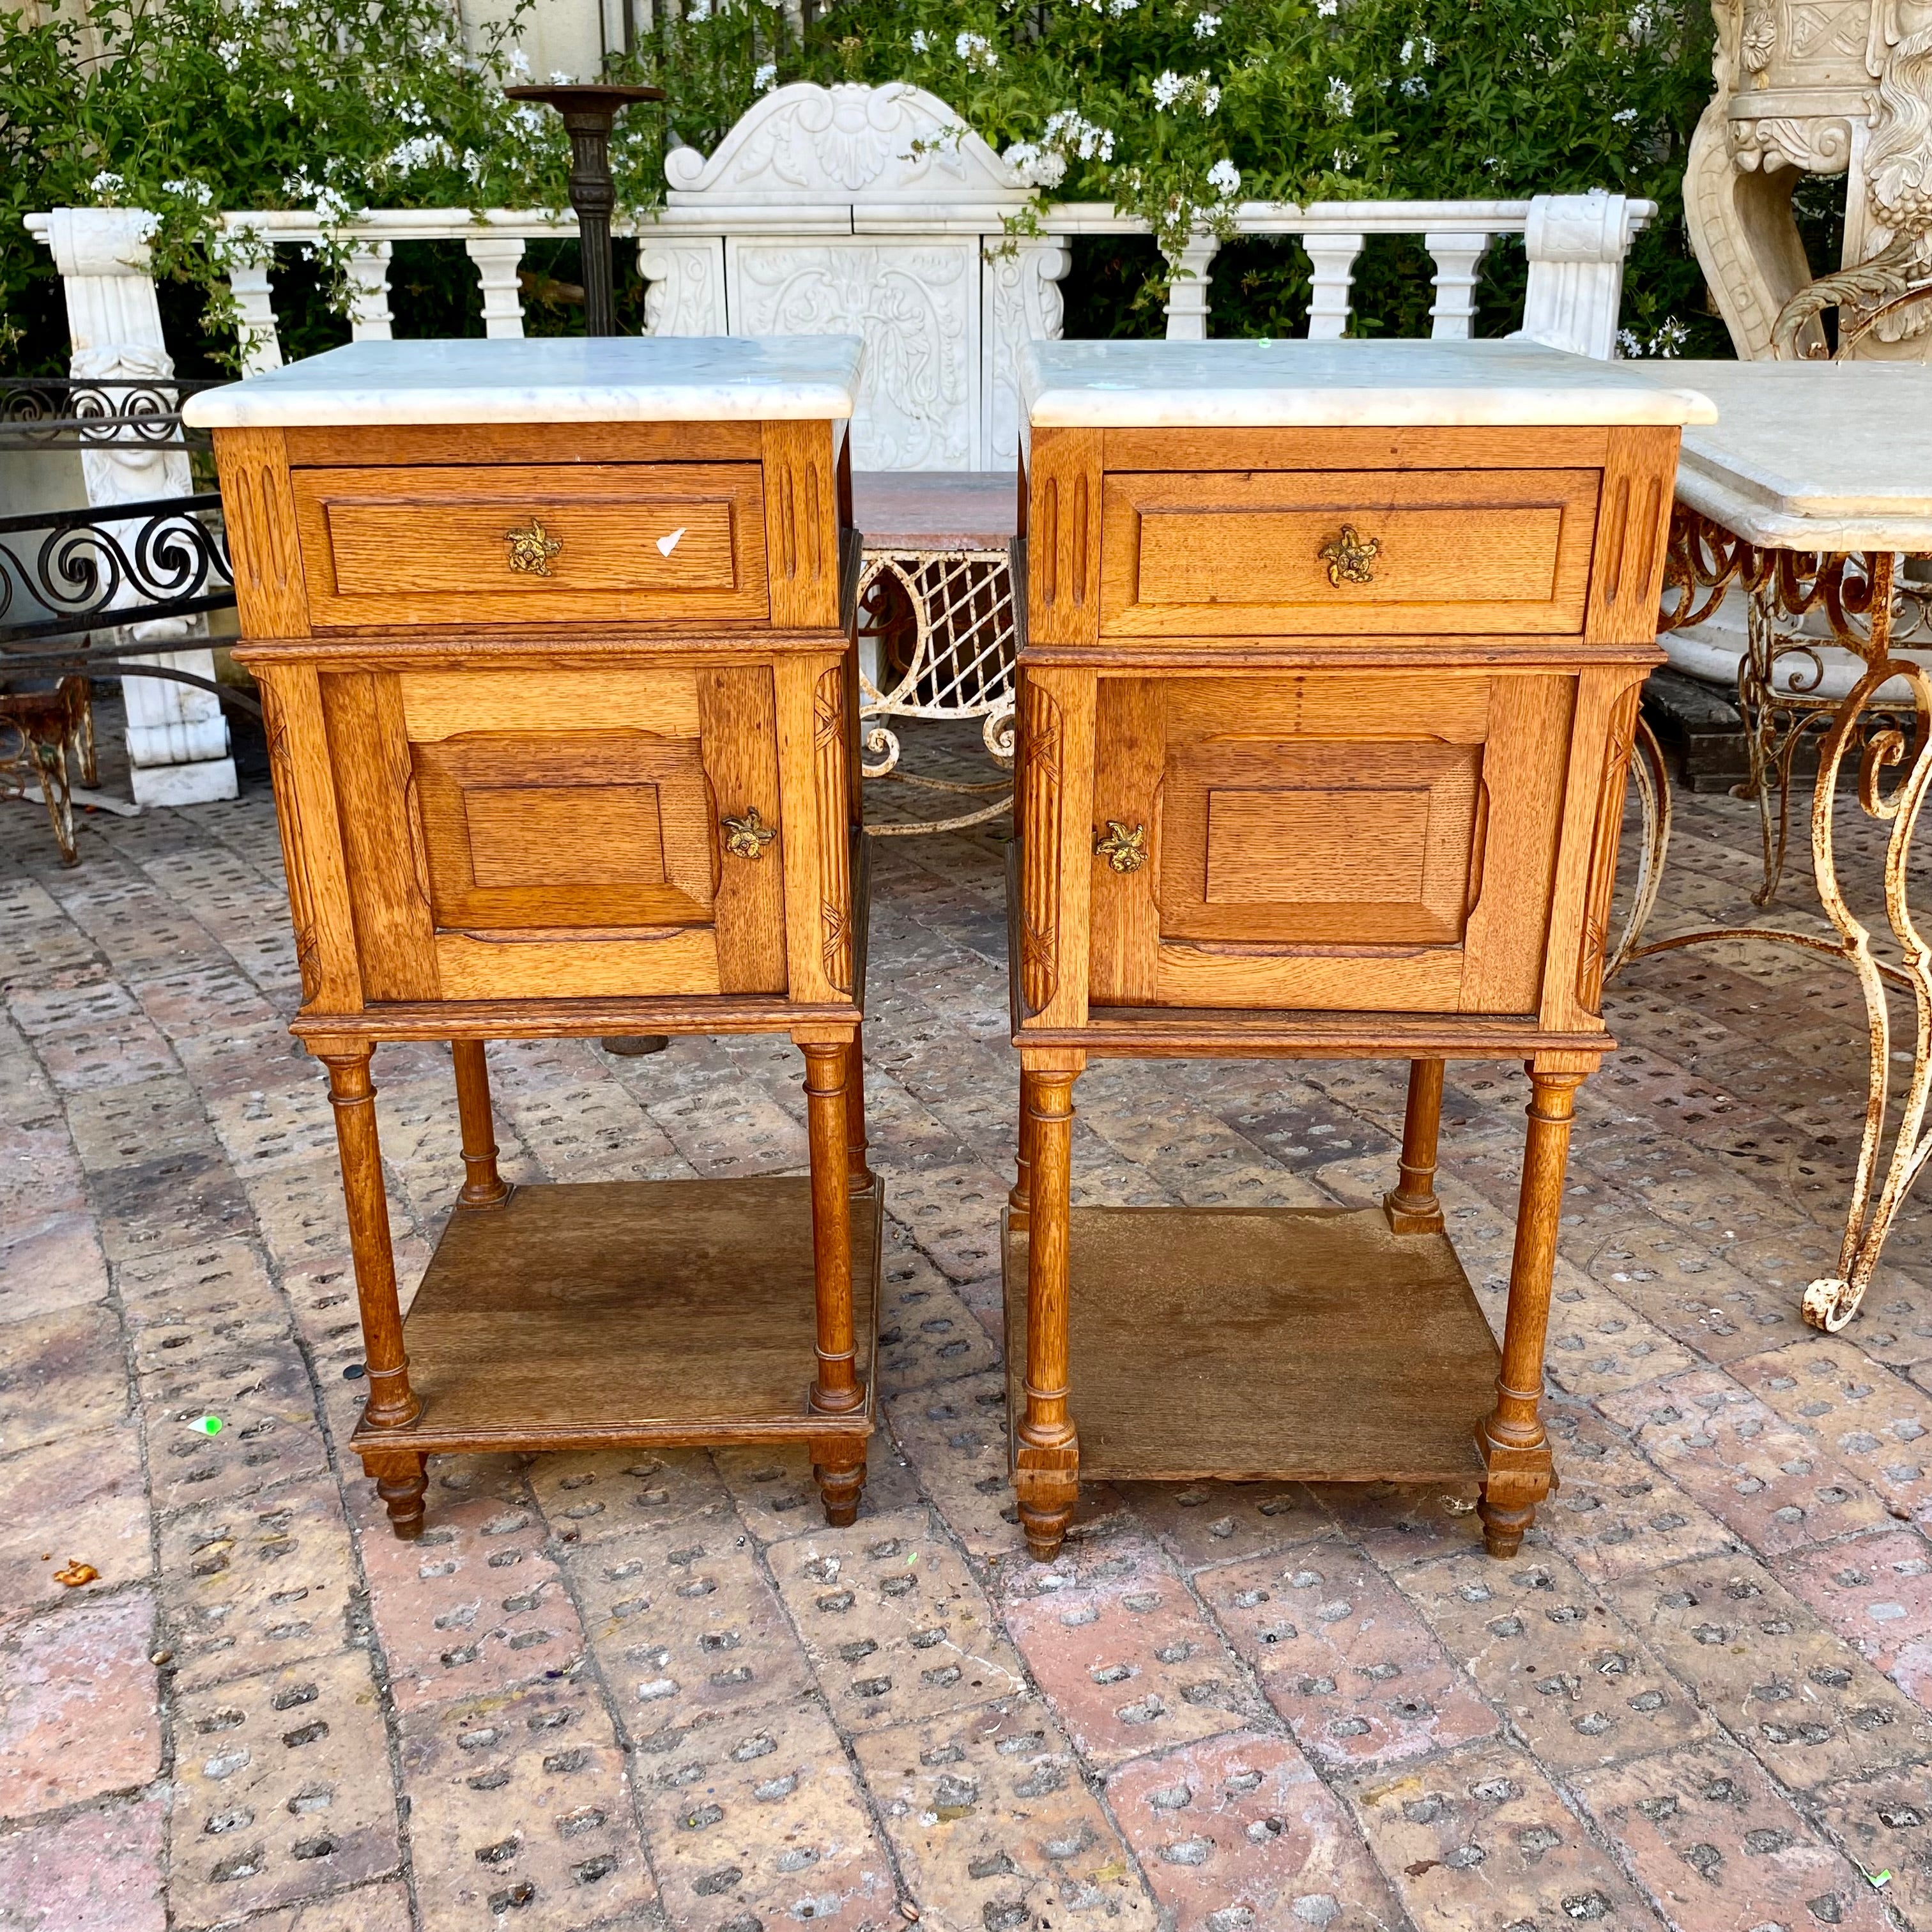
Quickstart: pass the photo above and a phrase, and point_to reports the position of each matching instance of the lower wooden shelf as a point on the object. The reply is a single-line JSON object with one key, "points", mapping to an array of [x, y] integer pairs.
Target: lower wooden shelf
{"points": [[657, 1313], [1260, 1344]]}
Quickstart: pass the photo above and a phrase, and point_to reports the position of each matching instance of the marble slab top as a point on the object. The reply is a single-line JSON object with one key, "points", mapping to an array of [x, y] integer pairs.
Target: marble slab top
{"points": [[1255, 385], [1811, 455], [548, 380]]}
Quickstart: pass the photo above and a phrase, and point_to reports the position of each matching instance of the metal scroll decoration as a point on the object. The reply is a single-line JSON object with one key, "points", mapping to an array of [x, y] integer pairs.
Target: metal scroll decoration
{"points": [[954, 659], [90, 412], [69, 571], [1863, 603]]}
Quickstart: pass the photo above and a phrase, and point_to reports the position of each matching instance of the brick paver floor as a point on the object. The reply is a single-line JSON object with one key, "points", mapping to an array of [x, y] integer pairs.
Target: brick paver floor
{"points": [[630, 1690]]}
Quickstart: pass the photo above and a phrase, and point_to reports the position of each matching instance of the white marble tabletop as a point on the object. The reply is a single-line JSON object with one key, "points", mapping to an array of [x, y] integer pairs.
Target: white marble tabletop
{"points": [[1811, 455], [548, 380], [1252, 385]]}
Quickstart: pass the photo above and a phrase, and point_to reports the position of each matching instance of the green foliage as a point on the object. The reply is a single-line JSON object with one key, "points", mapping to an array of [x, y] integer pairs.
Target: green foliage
{"points": [[1173, 109]]}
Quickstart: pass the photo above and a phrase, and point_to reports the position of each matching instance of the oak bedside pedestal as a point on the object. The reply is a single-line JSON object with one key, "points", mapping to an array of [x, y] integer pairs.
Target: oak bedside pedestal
{"points": [[1331, 658], [554, 645]]}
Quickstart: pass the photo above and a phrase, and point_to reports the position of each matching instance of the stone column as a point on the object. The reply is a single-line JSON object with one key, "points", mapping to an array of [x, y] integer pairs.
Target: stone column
{"points": [[1459, 261], [497, 258], [1187, 293], [177, 737], [1332, 258], [368, 272], [1576, 244]]}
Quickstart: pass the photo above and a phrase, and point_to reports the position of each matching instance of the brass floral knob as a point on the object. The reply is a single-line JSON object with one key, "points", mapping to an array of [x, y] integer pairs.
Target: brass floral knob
{"points": [[1348, 555], [746, 837], [1123, 847], [531, 549]]}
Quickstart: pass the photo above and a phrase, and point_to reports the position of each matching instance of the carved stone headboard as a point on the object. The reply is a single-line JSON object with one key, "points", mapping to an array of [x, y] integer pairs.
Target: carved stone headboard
{"points": [[1822, 87], [872, 210]]}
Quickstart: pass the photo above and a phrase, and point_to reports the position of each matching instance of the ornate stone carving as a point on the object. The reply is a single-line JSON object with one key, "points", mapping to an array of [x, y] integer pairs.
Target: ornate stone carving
{"points": [[872, 210], [1818, 87]]}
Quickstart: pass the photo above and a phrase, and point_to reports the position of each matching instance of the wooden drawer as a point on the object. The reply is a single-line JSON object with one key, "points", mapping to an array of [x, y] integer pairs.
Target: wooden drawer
{"points": [[1327, 841], [538, 834], [1345, 553], [515, 543]]}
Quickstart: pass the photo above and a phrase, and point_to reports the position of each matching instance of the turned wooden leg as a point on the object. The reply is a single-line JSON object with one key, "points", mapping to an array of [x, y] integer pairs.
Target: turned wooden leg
{"points": [[401, 1480], [859, 1175], [836, 1389], [482, 1186], [391, 1403], [1413, 1208], [1515, 1450], [1019, 1198], [1046, 1456]]}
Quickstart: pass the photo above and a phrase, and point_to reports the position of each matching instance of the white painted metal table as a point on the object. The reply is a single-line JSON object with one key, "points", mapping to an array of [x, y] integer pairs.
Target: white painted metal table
{"points": [[1813, 493]]}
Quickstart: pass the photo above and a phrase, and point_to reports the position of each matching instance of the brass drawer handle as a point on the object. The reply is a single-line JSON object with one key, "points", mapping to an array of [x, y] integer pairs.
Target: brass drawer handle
{"points": [[746, 837], [1123, 847], [1348, 555], [531, 549]]}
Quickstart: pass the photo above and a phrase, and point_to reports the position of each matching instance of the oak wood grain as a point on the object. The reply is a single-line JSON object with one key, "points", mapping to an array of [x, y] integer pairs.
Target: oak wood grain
{"points": [[364, 445], [738, 728], [429, 545], [258, 513], [1205, 552], [802, 523], [1063, 532]]}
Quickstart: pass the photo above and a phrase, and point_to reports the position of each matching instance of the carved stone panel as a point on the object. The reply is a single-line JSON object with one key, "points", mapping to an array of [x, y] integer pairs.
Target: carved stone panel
{"points": [[917, 307]]}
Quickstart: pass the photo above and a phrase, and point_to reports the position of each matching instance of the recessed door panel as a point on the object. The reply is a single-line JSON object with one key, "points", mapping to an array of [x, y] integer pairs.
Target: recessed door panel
{"points": [[1316, 840]]}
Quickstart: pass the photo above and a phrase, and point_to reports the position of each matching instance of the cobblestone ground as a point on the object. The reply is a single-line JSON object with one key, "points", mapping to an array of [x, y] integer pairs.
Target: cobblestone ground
{"points": [[634, 1690]]}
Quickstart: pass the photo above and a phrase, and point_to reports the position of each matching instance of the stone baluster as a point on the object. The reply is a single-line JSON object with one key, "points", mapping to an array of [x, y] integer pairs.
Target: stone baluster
{"points": [[1576, 244], [177, 737], [1187, 293], [1333, 258], [1458, 260], [497, 258], [249, 259], [368, 271]]}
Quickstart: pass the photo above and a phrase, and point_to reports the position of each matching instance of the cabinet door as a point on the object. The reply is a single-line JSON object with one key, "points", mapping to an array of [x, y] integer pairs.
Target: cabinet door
{"points": [[553, 834], [1327, 841]]}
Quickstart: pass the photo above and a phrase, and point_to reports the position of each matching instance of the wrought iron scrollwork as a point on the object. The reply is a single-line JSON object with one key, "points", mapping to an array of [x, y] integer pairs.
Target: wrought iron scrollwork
{"points": [[93, 412], [69, 571], [1863, 604]]}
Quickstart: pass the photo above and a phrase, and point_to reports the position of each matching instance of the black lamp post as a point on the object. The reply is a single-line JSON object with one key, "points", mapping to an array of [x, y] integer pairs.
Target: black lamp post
{"points": [[589, 111]]}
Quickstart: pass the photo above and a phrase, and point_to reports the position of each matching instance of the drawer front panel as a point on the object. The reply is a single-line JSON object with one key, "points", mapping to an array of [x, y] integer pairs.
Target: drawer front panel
{"points": [[505, 544], [1347, 842], [1343, 553], [566, 832]]}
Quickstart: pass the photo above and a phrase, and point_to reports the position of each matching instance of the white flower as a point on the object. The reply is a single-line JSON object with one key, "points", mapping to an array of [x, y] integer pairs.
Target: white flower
{"points": [[228, 53], [976, 51], [107, 185], [519, 63], [1625, 116], [197, 191], [1345, 158], [289, 99], [1171, 89], [1067, 132], [420, 151], [1428, 51], [1340, 98], [1206, 25], [921, 41], [1115, 8], [558, 79], [1414, 86], [1224, 179], [1036, 166], [766, 77], [1328, 9]]}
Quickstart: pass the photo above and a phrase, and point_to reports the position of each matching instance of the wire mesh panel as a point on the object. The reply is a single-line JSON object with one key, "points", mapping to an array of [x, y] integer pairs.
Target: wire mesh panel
{"points": [[936, 640]]}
